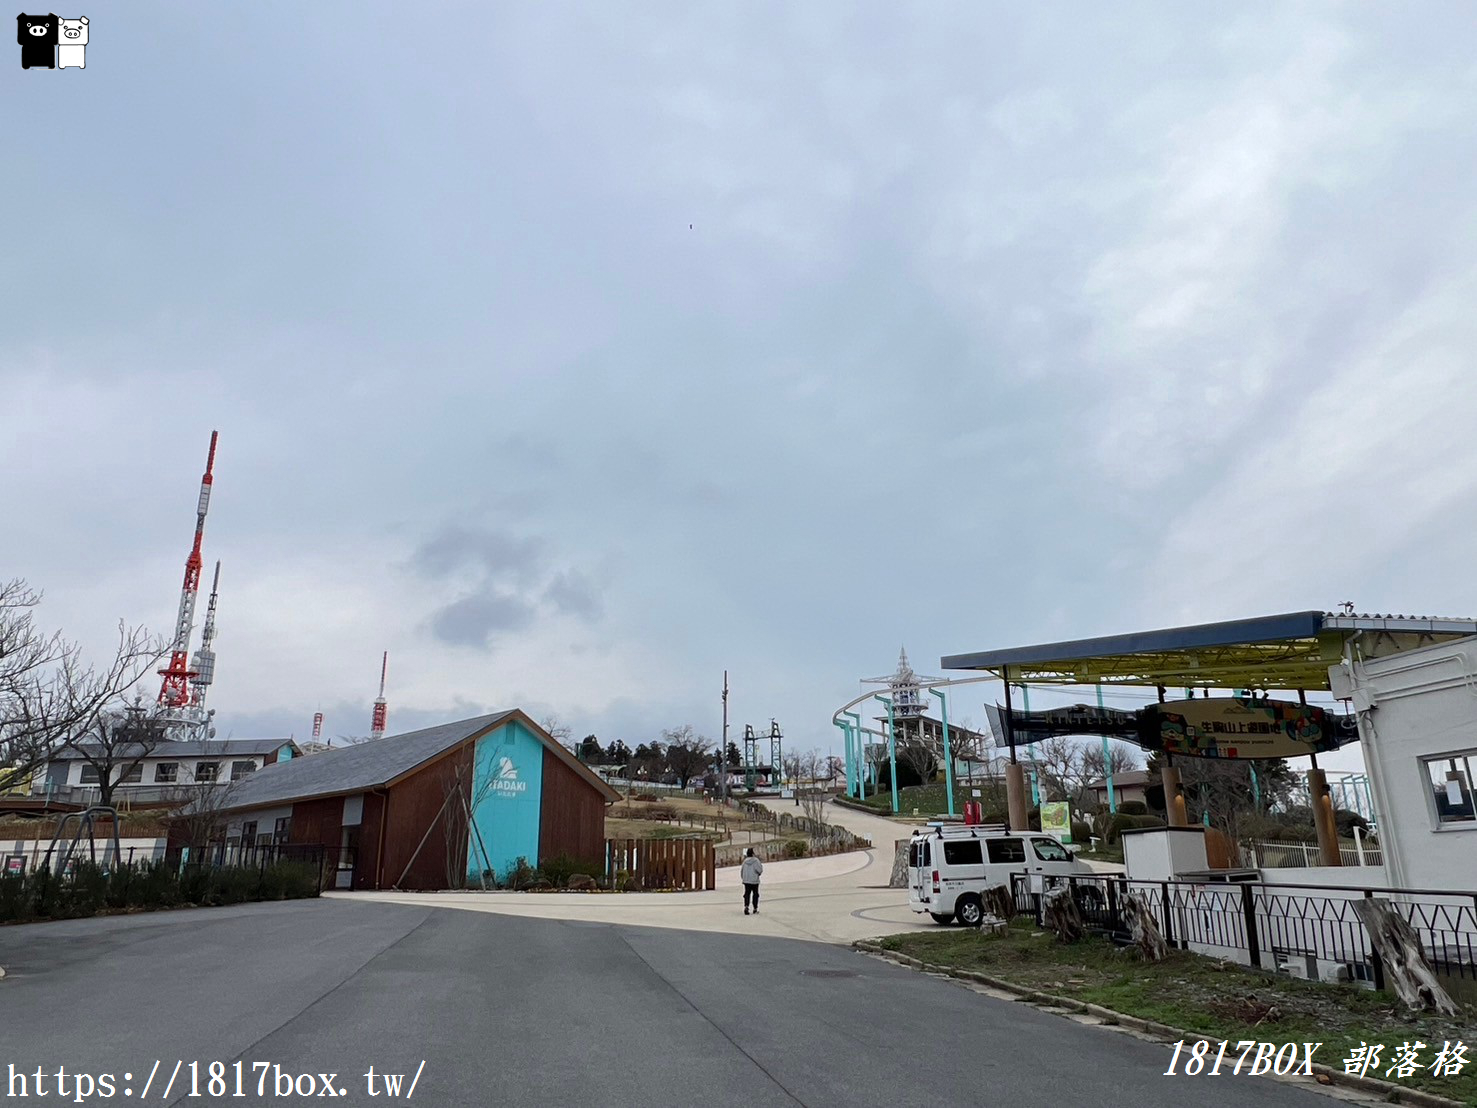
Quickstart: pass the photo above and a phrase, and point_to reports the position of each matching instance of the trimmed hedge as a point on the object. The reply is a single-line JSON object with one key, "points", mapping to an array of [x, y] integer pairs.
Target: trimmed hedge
{"points": [[147, 886], [1121, 822]]}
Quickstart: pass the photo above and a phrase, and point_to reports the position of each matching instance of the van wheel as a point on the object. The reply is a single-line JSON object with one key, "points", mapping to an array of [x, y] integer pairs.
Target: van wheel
{"points": [[969, 911], [942, 919]]}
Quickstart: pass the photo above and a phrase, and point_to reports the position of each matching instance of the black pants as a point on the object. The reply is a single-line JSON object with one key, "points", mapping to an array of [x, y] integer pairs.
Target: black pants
{"points": [[751, 894]]}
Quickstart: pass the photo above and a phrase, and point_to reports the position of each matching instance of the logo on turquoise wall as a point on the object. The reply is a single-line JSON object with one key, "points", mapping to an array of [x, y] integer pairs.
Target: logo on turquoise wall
{"points": [[506, 781]]}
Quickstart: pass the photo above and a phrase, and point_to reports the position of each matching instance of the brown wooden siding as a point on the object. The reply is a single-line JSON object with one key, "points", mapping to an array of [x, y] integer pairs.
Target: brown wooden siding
{"points": [[317, 821], [366, 843], [571, 815], [417, 804]]}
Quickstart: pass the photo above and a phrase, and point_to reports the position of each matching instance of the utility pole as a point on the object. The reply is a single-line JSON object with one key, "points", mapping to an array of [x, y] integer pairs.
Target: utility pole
{"points": [[723, 746]]}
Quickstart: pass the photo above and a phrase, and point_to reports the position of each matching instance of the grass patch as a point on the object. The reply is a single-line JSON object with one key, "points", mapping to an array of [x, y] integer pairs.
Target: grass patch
{"points": [[1217, 999]]}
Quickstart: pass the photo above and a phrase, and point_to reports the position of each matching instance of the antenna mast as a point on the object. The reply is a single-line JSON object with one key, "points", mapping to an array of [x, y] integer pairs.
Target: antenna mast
{"points": [[381, 710], [204, 667], [174, 692]]}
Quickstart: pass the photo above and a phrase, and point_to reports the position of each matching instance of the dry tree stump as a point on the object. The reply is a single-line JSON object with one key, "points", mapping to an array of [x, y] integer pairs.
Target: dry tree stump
{"points": [[998, 902], [1144, 929], [1059, 913], [1399, 948]]}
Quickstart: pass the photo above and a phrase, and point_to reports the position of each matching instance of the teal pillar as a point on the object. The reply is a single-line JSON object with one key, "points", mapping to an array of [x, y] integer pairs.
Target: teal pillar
{"points": [[846, 748], [891, 751], [859, 751], [948, 750], [1107, 761], [1256, 788], [1031, 749]]}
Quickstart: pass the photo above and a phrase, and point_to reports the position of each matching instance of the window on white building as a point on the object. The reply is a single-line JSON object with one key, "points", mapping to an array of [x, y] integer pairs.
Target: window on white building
{"points": [[207, 771], [241, 769], [89, 774], [1452, 787], [132, 775], [166, 773]]}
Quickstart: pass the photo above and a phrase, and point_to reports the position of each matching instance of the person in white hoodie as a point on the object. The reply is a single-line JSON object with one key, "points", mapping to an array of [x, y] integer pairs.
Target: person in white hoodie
{"points": [[750, 872]]}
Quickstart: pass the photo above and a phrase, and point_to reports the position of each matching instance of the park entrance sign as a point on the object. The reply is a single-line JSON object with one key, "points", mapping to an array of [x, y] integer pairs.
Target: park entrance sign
{"points": [[1217, 727], [1242, 727]]}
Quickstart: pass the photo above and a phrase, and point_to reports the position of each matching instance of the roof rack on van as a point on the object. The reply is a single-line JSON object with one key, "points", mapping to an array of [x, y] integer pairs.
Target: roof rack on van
{"points": [[938, 827]]}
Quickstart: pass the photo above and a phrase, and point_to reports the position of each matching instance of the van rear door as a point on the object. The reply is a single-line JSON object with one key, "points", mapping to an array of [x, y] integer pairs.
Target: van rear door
{"points": [[919, 886]]}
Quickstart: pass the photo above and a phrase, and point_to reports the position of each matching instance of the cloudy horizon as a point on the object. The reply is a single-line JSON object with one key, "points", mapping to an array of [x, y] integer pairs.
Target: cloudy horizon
{"points": [[574, 355]]}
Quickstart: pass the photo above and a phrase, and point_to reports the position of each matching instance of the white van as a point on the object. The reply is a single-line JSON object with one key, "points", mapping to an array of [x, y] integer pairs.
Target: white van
{"points": [[951, 864]]}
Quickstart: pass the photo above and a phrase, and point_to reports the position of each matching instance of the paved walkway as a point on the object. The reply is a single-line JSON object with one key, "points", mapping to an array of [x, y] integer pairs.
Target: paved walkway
{"points": [[831, 900], [486, 1009]]}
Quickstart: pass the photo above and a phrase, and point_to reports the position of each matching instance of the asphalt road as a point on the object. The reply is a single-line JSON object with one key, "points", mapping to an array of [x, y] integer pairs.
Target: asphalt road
{"points": [[506, 1010]]}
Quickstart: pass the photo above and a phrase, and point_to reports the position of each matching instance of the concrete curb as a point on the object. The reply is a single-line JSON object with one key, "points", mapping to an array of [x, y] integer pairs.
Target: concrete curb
{"points": [[1395, 1094]]}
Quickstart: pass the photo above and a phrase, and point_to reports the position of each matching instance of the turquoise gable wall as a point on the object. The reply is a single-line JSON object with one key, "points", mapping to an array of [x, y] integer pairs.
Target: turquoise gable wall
{"points": [[507, 790]]}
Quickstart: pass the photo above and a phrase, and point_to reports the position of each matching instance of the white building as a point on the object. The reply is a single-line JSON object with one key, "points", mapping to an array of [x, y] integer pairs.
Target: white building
{"points": [[161, 772], [1418, 728]]}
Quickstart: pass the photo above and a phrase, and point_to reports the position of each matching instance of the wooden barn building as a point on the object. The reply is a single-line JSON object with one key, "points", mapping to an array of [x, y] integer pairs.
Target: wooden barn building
{"points": [[430, 809]]}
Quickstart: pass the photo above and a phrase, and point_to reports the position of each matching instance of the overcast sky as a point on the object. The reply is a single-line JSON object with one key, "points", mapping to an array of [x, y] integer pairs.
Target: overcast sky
{"points": [[573, 353]]}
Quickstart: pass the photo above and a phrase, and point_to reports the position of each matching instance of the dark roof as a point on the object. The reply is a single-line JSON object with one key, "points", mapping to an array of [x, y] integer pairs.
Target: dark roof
{"points": [[1289, 651], [1293, 625], [1127, 778], [353, 769], [208, 748]]}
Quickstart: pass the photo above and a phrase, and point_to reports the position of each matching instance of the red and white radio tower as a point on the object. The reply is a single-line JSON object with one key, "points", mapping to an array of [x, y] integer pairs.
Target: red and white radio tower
{"points": [[175, 691], [381, 709], [317, 724]]}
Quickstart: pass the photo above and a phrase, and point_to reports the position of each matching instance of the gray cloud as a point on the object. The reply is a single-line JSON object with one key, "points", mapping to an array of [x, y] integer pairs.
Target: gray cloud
{"points": [[491, 552], [574, 594], [840, 325], [478, 619]]}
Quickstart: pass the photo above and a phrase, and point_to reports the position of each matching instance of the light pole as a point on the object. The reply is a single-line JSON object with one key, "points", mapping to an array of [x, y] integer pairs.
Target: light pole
{"points": [[891, 749], [948, 751]]}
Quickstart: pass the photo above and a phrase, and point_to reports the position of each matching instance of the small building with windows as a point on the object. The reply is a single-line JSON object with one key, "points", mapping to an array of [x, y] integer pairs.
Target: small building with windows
{"points": [[443, 807], [158, 773], [1418, 727]]}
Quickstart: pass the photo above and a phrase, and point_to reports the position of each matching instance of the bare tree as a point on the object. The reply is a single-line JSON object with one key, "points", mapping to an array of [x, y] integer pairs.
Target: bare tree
{"points": [[48, 694], [1060, 767], [558, 730], [688, 755], [200, 815], [115, 744], [456, 825], [918, 752], [1121, 758]]}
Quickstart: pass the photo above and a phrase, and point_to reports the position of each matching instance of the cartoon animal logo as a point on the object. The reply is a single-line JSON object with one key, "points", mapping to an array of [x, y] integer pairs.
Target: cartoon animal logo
{"points": [[71, 51], [506, 771], [37, 35]]}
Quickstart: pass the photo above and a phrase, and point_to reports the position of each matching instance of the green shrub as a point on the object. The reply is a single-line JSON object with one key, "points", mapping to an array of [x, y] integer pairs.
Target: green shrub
{"points": [[1081, 831], [796, 848], [1122, 822], [1132, 808], [90, 888], [559, 870]]}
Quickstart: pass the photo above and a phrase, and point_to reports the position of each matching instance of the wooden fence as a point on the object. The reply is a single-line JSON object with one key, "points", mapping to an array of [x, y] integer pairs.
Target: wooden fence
{"points": [[683, 864]]}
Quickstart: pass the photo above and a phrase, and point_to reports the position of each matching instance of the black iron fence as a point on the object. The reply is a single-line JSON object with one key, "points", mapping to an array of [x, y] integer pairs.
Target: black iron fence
{"points": [[1309, 931]]}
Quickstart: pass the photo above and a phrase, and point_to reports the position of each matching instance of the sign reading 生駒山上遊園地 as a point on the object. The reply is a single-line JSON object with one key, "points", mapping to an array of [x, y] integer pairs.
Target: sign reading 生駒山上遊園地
{"points": [[1242, 727]]}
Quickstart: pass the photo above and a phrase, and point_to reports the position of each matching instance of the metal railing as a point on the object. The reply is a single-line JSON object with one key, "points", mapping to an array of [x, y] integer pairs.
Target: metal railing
{"points": [[1284, 855], [1308, 931]]}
